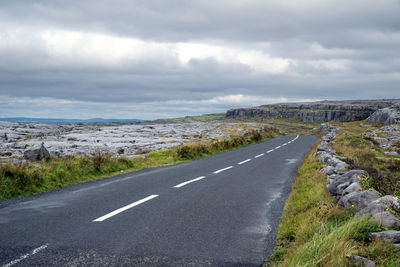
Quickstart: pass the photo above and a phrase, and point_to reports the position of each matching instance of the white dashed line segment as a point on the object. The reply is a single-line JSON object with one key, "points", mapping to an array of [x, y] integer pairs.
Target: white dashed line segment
{"points": [[23, 257], [269, 151], [277, 147], [115, 212], [224, 169], [244, 161], [262, 154], [188, 182]]}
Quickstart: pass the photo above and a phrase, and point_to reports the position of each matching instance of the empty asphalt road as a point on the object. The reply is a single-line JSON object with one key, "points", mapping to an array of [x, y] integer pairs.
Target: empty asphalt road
{"points": [[221, 210]]}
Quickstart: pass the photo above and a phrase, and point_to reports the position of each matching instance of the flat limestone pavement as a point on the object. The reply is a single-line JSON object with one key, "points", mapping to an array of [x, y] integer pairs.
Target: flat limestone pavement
{"points": [[221, 210]]}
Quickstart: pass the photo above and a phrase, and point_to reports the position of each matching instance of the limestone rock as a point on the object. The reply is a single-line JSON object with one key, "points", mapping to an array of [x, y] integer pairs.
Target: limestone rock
{"points": [[359, 200], [325, 147], [385, 116], [341, 182], [37, 154], [361, 261], [389, 200], [389, 236], [372, 208], [354, 187], [391, 153], [386, 219]]}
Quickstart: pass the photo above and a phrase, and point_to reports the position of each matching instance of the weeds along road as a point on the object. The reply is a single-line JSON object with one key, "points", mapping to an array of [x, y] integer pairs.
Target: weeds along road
{"points": [[221, 210]]}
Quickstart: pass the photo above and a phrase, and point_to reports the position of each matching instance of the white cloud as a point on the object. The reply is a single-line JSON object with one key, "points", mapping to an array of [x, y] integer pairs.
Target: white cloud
{"points": [[92, 49], [322, 51], [259, 61], [244, 100]]}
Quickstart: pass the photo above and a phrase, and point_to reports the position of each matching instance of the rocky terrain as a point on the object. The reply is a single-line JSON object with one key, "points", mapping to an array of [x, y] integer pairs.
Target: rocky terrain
{"points": [[117, 139], [388, 138], [317, 112], [346, 186]]}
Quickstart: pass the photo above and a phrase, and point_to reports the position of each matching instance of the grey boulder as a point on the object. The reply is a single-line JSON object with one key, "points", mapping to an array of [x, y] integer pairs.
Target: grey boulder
{"points": [[389, 236], [389, 200], [386, 219], [354, 187], [359, 200], [325, 147], [372, 208], [341, 182], [37, 154], [361, 261]]}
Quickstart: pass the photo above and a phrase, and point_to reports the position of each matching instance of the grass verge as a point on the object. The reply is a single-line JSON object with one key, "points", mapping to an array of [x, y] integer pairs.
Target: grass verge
{"points": [[35, 177], [315, 231]]}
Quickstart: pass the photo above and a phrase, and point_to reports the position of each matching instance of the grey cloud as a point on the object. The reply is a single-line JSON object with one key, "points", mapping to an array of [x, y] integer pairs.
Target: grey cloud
{"points": [[337, 49]]}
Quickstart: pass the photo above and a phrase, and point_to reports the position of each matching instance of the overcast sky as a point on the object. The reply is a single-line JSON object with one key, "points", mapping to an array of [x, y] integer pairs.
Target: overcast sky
{"points": [[168, 58]]}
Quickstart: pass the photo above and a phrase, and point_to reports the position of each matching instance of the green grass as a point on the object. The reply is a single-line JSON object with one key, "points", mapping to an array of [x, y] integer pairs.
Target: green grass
{"points": [[35, 177], [315, 231]]}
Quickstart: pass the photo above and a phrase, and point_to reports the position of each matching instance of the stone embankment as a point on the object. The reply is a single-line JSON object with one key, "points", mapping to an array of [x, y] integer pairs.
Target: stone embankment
{"points": [[345, 185], [316, 112]]}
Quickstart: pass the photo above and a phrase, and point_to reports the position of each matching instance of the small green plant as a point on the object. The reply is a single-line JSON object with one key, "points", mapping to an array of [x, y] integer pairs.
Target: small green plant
{"points": [[367, 182]]}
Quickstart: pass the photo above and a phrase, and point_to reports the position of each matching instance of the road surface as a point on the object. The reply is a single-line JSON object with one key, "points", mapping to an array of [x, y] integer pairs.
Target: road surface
{"points": [[221, 210]]}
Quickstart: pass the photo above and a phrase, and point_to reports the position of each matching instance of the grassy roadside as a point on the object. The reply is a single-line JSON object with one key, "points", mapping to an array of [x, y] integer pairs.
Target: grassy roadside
{"points": [[31, 178], [315, 231]]}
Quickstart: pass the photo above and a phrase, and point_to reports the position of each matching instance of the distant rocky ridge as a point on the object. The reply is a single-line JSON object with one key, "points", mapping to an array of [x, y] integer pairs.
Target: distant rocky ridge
{"points": [[317, 112]]}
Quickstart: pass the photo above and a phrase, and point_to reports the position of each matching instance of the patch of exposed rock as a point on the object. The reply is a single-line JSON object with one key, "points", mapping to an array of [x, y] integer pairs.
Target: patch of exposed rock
{"points": [[316, 112], [386, 116], [388, 139], [20, 141]]}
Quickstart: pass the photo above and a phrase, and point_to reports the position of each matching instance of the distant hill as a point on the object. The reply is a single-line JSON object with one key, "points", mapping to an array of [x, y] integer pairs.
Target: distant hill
{"points": [[66, 121]]}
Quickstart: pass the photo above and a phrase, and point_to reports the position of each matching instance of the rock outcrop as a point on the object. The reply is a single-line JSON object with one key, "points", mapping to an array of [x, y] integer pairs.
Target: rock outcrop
{"points": [[386, 116], [316, 112]]}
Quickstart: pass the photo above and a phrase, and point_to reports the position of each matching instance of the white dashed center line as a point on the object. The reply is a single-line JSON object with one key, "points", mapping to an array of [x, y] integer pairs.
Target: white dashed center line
{"points": [[23, 257], [244, 161], [115, 212], [224, 169], [188, 182], [100, 219]]}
